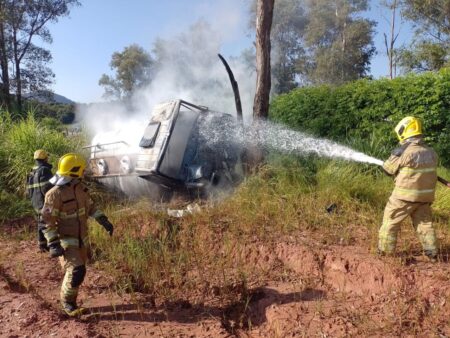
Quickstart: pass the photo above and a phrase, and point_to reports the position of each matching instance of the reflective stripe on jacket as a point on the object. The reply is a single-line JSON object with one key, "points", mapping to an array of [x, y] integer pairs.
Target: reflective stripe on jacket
{"points": [[38, 184], [66, 210], [415, 169]]}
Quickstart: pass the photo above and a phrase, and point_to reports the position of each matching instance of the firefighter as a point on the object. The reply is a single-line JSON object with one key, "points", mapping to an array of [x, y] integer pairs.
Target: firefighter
{"points": [[37, 185], [413, 164], [66, 209]]}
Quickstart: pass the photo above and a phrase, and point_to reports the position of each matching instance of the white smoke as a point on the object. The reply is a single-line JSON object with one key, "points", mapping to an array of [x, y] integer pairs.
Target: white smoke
{"points": [[188, 68]]}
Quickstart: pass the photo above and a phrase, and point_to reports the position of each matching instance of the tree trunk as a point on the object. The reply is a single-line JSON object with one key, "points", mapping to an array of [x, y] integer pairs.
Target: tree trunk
{"points": [[391, 51], [18, 75], [264, 14], [390, 46], [4, 63], [234, 85]]}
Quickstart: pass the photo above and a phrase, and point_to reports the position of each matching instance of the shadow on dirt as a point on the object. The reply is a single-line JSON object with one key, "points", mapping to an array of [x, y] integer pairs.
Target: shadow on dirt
{"points": [[253, 312], [250, 311]]}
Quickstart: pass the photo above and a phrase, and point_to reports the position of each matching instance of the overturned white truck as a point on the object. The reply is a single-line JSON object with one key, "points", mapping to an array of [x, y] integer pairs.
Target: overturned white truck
{"points": [[184, 147]]}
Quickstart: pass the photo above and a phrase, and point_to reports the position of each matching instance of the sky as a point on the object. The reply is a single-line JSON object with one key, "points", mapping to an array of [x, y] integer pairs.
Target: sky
{"points": [[84, 41]]}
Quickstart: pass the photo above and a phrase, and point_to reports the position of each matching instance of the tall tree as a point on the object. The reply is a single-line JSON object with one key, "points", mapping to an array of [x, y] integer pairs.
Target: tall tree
{"points": [[25, 20], [132, 69], [430, 49], [4, 58], [264, 16], [289, 22], [391, 53], [287, 36], [339, 43]]}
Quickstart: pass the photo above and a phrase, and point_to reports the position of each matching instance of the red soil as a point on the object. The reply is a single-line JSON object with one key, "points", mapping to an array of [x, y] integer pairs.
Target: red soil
{"points": [[325, 291]]}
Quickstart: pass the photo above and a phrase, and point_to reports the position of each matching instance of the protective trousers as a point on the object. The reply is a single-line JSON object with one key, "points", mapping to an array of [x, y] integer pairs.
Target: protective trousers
{"points": [[395, 212], [74, 265], [41, 226]]}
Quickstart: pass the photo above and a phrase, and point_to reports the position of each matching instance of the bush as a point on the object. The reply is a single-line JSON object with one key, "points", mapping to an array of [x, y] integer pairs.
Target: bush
{"points": [[12, 206], [371, 108], [19, 141]]}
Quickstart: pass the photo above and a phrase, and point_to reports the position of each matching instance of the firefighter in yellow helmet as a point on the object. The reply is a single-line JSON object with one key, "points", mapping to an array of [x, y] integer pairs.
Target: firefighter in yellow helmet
{"points": [[413, 164], [66, 209], [37, 186]]}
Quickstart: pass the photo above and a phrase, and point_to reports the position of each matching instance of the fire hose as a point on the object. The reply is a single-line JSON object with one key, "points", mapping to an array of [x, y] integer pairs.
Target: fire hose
{"points": [[444, 182]]}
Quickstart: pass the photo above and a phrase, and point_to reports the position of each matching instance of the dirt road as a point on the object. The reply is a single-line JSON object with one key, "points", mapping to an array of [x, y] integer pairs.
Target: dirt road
{"points": [[320, 291]]}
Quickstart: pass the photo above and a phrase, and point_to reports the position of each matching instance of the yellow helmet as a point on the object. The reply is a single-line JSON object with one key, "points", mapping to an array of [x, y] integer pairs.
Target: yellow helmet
{"points": [[71, 165], [40, 154], [408, 127]]}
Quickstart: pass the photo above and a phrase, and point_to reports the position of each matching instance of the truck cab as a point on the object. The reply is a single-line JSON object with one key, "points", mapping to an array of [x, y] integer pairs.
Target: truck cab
{"points": [[184, 146]]}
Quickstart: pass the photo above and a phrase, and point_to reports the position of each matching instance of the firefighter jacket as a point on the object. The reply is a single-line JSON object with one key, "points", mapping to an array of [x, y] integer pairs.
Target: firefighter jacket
{"points": [[414, 166], [38, 184], [66, 210]]}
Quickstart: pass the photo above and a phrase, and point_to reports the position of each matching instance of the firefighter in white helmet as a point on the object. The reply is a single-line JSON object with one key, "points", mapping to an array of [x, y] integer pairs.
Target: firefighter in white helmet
{"points": [[413, 164], [66, 210]]}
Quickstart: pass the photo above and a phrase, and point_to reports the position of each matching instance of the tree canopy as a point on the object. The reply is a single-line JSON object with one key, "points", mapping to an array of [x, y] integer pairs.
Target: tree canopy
{"points": [[430, 49], [23, 62], [132, 69], [320, 41]]}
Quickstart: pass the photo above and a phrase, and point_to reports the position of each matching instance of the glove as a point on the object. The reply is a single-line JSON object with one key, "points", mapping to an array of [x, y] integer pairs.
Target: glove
{"points": [[55, 249], [104, 222]]}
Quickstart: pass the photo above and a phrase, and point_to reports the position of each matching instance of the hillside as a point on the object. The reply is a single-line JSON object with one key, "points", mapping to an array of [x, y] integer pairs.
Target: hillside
{"points": [[48, 97]]}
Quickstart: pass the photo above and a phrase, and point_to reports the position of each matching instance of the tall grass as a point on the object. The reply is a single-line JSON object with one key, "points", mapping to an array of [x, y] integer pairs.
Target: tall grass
{"points": [[19, 139], [207, 253], [212, 250]]}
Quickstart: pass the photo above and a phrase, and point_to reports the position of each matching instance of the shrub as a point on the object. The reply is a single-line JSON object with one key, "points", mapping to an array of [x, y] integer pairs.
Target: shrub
{"points": [[371, 108], [12, 206], [19, 141]]}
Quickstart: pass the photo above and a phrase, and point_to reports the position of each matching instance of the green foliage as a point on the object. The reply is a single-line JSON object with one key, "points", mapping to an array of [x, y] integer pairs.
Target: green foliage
{"points": [[132, 69], [19, 141], [430, 49], [431, 16], [12, 206], [21, 23], [319, 41], [424, 56], [288, 194], [340, 43], [369, 109], [64, 113]]}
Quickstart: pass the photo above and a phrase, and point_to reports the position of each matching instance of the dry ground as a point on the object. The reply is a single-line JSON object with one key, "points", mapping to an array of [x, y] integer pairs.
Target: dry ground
{"points": [[317, 290]]}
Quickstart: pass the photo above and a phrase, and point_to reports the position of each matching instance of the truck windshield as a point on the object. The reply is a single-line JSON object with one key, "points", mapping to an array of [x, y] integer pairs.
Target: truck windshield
{"points": [[150, 133]]}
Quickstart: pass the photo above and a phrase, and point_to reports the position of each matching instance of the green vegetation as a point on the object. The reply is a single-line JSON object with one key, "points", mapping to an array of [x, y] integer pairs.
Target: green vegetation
{"points": [[174, 257], [19, 139], [61, 112], [209, 251], [371, 108], [23, 63]]}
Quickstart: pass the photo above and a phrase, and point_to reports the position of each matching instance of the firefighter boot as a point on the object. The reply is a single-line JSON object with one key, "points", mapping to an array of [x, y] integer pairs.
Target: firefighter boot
{"points": [[42, 242], [71, 309]]}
